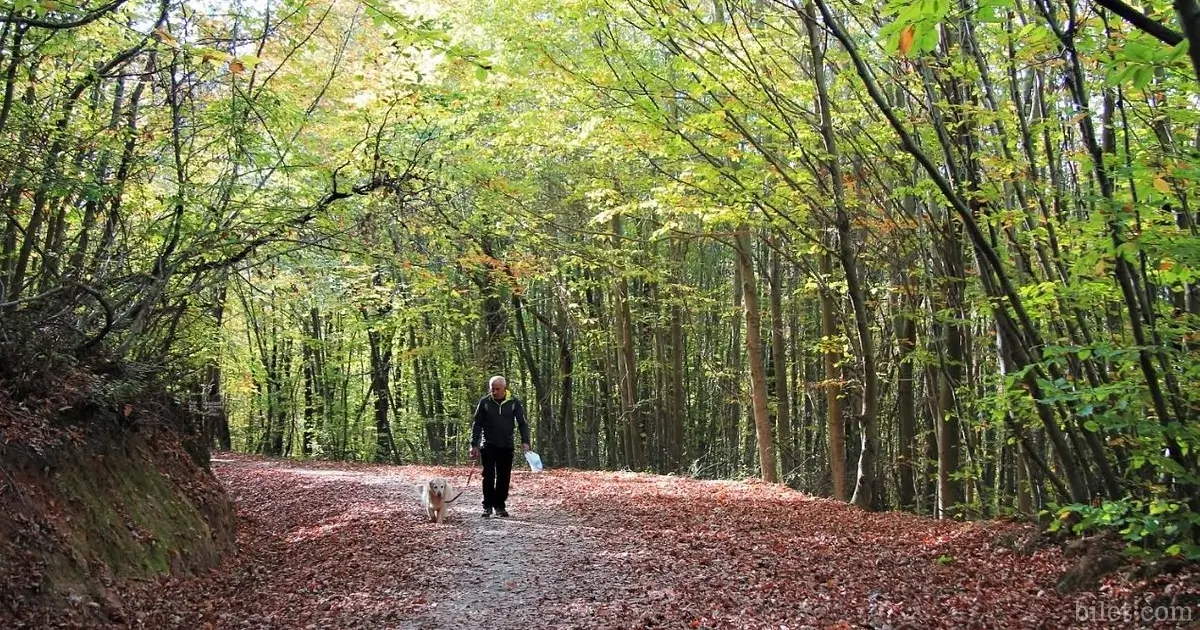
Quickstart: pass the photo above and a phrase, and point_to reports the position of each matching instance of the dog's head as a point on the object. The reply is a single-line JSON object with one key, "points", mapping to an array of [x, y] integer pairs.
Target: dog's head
{"points": [[439, 488]]}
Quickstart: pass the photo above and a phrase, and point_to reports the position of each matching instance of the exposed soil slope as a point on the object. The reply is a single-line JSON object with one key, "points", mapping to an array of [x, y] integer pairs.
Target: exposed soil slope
{"points": [[96, 493]]}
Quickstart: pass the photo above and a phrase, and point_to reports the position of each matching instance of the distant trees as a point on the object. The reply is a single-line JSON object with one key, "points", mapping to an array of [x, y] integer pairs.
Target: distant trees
{"points": [[951, 243]]}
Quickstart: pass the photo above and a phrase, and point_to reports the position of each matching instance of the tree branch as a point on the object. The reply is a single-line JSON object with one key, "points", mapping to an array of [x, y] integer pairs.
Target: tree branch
{"points": [[1142, 21], [55, 25], [329, 199]]}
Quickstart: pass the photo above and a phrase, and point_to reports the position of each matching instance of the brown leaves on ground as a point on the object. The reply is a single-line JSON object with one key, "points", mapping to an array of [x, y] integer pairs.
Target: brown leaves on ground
{"points": [[734, 555], [319, 548], [346, 546]]}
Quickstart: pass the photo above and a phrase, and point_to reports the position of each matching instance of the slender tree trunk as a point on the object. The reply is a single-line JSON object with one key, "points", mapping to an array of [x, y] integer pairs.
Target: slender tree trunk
{"points": [[677, 436], [421, 391], [754, 350], [216, 418], [950, 487], [627, 363], [783, 415], [906, 419], [566, 412], [440, 424], [310, 399], [495, 324], [927, 484], [545, 405], [1189, 19], [732, 399], [864, 488], [599, 419], [830, 336], [381, 371]]}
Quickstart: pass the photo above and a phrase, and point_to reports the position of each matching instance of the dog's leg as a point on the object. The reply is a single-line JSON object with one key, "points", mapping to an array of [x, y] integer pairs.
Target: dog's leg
{"points": [[426, 500]]}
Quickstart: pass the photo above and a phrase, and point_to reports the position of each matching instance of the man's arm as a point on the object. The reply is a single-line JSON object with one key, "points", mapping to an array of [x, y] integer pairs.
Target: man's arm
{"points": [[477, 425], [520, 413]]}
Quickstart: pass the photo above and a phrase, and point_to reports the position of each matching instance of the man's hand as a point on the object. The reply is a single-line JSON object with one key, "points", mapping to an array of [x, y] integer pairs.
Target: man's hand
{"points": [[474, 452], [525, 447]]}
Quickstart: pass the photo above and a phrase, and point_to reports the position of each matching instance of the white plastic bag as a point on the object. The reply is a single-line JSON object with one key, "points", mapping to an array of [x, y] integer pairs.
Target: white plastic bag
{"points": [[535, 462]]}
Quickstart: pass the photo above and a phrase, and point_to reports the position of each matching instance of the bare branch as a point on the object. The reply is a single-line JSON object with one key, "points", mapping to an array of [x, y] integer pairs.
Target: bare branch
{"points": [[65, 24]]}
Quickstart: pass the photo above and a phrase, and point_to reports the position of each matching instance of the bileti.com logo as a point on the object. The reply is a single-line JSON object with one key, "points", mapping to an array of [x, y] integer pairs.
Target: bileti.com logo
{"points": [[1130, 613]]}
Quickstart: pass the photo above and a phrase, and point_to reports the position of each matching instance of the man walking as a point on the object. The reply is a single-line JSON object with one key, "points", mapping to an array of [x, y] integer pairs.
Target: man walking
{"points": [[498, 413]]}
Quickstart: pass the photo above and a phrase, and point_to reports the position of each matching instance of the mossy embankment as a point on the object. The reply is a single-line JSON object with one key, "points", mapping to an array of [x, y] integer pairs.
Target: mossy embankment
{"points": [[102, 483]]}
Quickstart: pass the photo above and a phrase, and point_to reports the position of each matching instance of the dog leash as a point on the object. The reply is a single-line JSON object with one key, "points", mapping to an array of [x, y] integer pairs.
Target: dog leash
{"points": [[465, 486]]}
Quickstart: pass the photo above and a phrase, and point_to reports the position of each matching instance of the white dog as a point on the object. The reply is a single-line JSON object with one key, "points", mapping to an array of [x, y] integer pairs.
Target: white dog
{"points": [[433, 496]]}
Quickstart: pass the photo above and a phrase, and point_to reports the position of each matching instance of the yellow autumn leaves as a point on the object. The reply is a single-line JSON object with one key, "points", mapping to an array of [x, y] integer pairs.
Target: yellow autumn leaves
{"points": [[236, 65]]}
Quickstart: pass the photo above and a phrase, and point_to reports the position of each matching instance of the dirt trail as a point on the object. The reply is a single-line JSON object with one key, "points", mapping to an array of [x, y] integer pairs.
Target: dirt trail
{"points": [[328, 545], [515, 572]]}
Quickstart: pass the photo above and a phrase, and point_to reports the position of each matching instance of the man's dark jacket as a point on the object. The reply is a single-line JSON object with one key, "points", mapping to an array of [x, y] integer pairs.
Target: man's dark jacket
{"points": [[495, 420]]}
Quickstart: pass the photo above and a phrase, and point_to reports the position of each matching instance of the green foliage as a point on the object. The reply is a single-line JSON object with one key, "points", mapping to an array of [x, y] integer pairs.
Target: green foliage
{"points": [[1140, 57], [914, 28], [367, 180], [1154, 527]]}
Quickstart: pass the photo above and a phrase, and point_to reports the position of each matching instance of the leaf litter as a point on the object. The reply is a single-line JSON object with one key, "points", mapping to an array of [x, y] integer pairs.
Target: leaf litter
{"points": [[336, 545]]}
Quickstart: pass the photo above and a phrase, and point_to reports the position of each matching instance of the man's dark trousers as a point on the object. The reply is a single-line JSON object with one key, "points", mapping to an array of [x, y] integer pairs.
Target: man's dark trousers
{"points": [[497, 469]]}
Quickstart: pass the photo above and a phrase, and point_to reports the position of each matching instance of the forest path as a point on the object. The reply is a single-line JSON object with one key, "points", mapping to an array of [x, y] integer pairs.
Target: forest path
{"points": [[343, 545], [530, 570], [335, 545]]}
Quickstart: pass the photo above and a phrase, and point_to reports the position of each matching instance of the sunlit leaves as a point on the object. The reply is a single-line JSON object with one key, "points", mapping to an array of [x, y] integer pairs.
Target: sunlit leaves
{"points": [[914, 29], [1136, 59]]}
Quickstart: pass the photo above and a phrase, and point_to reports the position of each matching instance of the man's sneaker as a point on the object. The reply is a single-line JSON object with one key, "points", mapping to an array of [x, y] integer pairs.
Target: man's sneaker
{"points": [[487, 511], [501, 512]]}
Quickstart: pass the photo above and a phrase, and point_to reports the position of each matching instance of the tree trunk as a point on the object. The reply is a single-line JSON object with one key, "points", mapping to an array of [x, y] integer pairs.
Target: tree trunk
{"points": [[677, 434], [421, 391], [599, 420], [864, 488], [213, 404], [783, 415], [906, 419], [732, 390], [541, 389], [566, 412], [631, 429], [830, 339], [381, 372], [754, 350], [950, 493]]}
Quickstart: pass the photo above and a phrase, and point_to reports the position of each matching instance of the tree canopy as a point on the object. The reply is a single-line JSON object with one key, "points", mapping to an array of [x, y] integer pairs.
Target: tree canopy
{"points": [[929, 255]]}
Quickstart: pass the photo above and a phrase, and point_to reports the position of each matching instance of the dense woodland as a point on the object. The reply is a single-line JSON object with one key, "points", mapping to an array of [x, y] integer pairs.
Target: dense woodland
{"points": [[931, 255]]}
